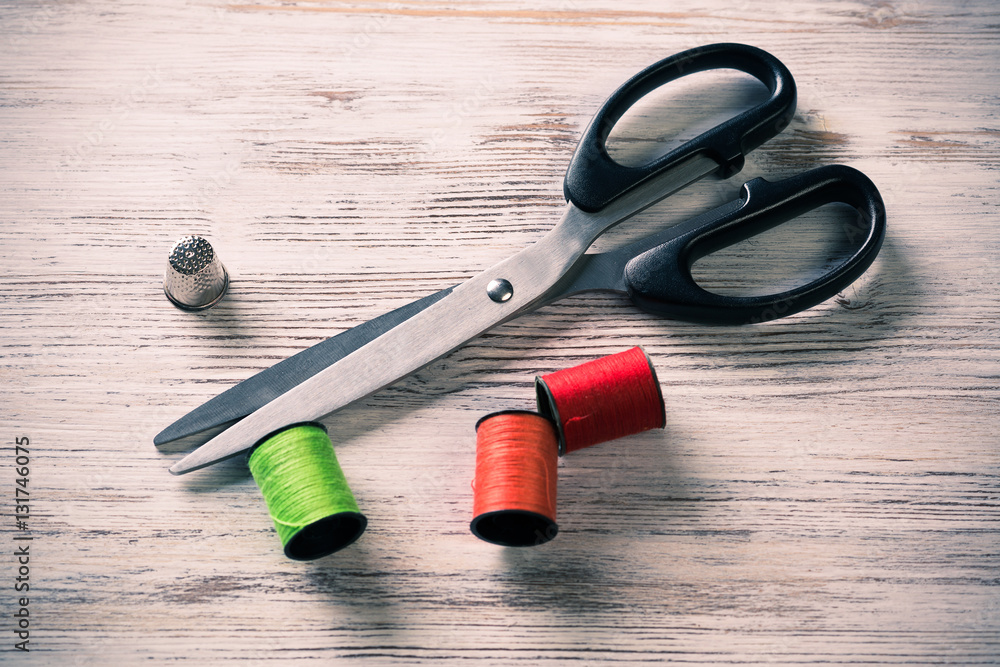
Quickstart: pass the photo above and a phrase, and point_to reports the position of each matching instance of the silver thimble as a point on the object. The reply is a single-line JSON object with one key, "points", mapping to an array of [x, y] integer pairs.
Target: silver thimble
{"points": [[195, 278]]}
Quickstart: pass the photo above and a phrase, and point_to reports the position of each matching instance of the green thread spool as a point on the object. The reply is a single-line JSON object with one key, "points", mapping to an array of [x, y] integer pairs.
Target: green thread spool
{"points": [[307, 495]]}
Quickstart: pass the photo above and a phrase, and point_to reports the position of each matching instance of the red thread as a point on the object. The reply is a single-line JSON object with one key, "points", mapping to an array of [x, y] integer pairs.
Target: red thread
{"points": [[514, 499], [602, 400]]}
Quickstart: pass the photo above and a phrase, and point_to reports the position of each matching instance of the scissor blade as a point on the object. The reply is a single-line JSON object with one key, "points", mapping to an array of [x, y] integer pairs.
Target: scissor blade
{"points": [[467, 312], [597, 271], [414, 343], [255, 392]]}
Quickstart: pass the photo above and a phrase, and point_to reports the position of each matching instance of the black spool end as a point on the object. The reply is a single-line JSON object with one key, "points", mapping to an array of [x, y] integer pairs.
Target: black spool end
{"points": [[507, 412], [659, 389], [324, 537], [547, 408], [514, 528]]}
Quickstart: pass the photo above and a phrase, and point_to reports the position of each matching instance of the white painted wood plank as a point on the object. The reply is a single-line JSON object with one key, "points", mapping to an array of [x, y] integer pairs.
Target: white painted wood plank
{"points": [[826, 487]]}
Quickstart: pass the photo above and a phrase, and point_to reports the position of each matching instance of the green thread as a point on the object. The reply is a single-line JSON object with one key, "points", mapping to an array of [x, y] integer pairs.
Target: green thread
{"points": [[307, 495]]}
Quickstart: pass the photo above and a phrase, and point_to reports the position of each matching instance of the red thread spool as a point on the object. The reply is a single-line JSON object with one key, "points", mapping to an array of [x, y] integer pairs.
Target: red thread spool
{"points": [[602, 400], [514, 499]]}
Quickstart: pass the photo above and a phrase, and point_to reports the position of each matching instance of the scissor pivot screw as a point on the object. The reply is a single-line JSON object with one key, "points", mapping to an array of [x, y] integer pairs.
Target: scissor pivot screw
{"points": [[500, 290]]}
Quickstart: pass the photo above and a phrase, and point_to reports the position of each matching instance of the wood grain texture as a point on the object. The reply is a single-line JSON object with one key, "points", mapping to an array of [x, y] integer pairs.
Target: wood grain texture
{"points": [[826, 489]]}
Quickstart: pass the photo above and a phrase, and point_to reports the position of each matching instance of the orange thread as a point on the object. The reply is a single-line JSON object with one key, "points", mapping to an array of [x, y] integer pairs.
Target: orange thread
{"points": [[514, 499], [602, 400]]}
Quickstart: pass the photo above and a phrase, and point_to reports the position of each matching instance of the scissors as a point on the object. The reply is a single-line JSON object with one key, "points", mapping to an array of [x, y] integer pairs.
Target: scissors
{"points": [[654, 272]]}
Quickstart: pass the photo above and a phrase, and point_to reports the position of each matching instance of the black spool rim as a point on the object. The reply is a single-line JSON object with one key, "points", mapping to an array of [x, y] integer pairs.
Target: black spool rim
{"points": [[326, 536], [659, 389], [547, 407], [514, 528], [511, 412]]}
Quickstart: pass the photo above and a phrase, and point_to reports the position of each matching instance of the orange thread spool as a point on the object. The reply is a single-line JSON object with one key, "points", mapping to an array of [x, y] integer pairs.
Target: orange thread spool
{"points": [[602, 400], [514, 500]]}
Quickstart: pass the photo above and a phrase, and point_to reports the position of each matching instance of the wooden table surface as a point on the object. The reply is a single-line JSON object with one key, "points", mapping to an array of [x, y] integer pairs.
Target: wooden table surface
{"points": [[826, 488]]}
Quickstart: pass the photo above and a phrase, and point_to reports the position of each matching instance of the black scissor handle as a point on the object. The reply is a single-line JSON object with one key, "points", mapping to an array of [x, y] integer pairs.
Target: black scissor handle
{"points": [[594, 180], [660, 280]]}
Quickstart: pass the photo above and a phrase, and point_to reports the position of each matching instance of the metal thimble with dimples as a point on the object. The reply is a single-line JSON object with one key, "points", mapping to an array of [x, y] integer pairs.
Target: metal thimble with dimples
{"points": [[195, 277]]}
